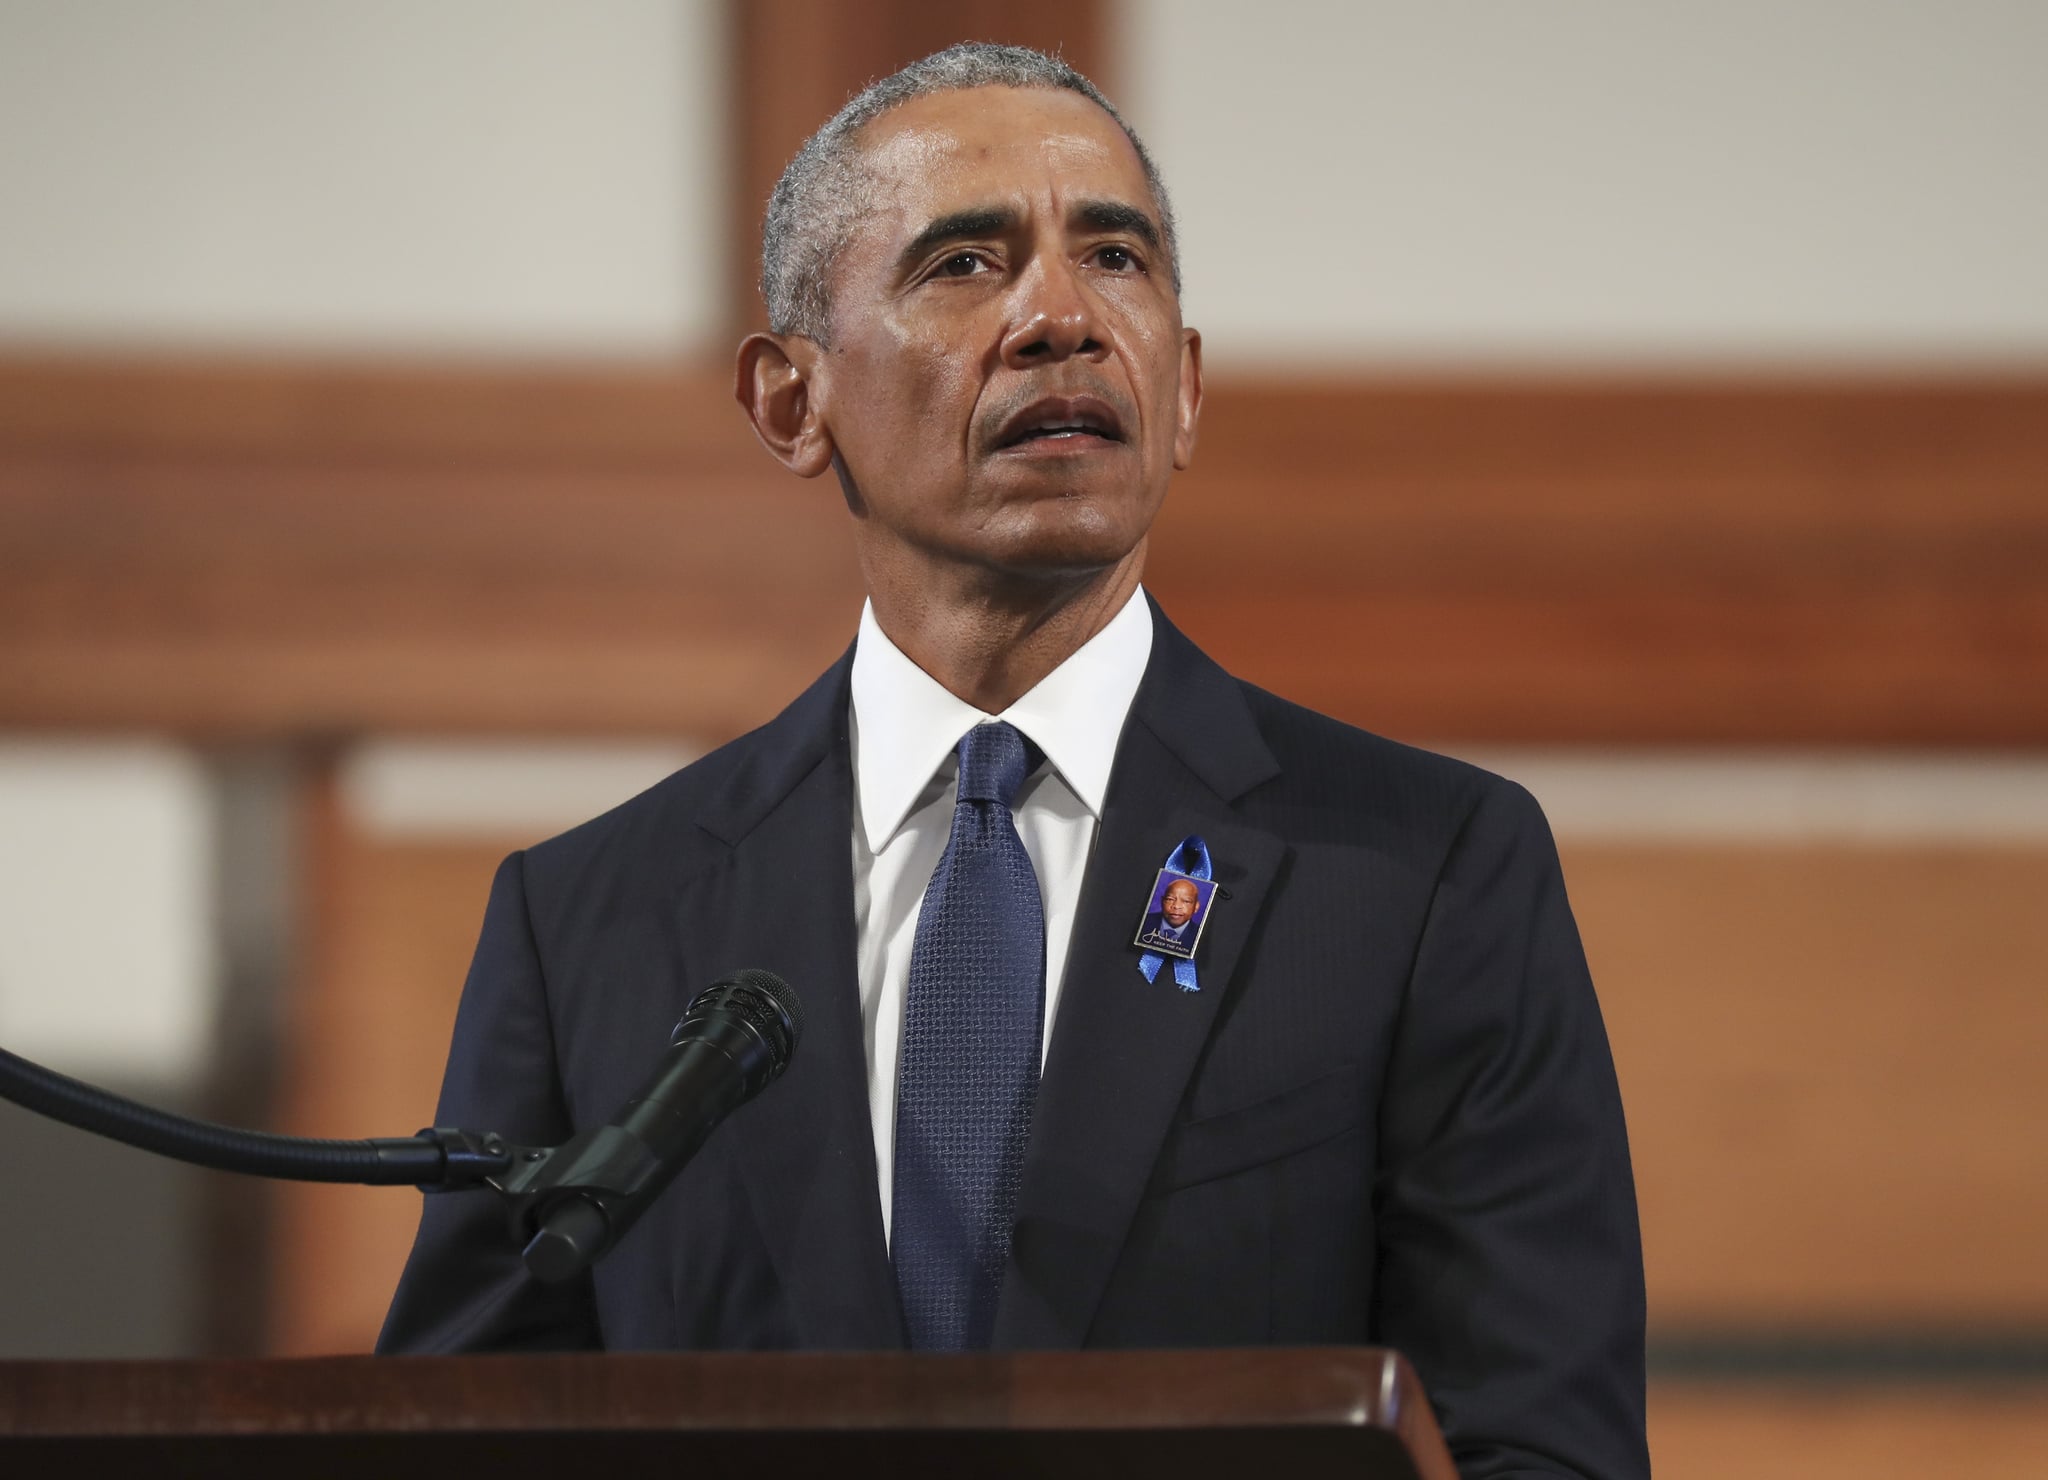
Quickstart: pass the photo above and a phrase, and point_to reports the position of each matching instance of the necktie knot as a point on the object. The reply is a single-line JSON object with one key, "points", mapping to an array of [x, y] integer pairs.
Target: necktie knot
{"points": [[994, 760]]}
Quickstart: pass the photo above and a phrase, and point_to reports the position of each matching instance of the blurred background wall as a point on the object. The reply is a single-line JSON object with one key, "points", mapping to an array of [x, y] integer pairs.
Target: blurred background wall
{"points": [[1649, 403]]}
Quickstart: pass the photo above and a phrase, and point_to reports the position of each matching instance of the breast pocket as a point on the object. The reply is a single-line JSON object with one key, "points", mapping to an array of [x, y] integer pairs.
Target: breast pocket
{"points": [[1267, 1130]]}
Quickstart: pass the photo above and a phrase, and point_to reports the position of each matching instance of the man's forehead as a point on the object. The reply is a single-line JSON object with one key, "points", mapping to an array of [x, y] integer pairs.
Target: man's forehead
{"points": [[953, 148]]}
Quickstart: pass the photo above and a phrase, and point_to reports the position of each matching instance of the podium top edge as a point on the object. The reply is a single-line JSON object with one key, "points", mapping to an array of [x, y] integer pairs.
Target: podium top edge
{"points": [[1252, 1388]]}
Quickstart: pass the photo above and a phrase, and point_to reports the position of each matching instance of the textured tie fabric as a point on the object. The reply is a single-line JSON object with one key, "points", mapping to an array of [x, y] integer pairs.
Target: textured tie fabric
{"points": [[968, 1072]]}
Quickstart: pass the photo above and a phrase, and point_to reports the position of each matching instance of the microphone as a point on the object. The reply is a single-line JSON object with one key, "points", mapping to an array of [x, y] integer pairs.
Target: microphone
{"points": [[579, 1199]]}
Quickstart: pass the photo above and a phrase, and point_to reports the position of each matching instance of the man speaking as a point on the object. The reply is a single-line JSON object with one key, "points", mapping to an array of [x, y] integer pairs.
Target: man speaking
{"points": [[1372, 1103]]}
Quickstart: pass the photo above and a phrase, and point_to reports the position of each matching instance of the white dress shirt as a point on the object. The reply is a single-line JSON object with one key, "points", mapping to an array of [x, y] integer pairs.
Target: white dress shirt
{"points": [[904, 730]]}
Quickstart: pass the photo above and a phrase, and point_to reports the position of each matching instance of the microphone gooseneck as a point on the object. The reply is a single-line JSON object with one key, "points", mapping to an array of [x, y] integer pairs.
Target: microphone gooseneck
{"points": [[569, 1203], [433, 1159], [579, 1199]]}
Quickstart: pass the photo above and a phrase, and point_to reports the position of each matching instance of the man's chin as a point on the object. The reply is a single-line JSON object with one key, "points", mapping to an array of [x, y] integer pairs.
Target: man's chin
{"points": [[1063, 533], [1061, 554]]}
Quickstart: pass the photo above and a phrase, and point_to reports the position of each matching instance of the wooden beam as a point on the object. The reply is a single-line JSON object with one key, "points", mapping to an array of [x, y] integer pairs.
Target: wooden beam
{"points": [[303, 551], [1615, 561], [797, 61], [154, 410]]}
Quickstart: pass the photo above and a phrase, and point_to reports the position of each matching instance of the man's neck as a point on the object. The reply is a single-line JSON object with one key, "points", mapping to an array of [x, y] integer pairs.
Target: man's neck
{"points": [[989, 642]]}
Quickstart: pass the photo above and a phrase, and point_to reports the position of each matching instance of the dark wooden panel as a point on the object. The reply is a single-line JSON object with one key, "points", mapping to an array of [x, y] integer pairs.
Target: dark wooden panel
{"points": [[1329, 1412], [1337, 1387], [288, 551], [797, 61]]}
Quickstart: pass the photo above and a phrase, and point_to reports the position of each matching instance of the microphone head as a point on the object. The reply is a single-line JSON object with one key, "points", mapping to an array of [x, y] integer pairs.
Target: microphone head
{"points": [[760, 999]]}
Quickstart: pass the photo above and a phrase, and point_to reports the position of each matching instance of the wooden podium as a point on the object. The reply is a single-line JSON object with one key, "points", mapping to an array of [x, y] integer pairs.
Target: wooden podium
{"points": [[1246, 1414]]}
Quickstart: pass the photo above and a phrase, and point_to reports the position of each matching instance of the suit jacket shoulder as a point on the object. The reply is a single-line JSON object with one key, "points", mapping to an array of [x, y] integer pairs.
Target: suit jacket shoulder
{"points": [[1376, 782], [652, 843]]}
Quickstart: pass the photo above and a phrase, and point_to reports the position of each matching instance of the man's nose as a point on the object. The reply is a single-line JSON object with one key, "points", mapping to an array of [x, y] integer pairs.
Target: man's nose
{"points": [[1056, 317]]}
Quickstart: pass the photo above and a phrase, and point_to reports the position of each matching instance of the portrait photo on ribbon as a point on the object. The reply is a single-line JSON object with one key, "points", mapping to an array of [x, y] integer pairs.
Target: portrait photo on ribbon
{"points": [[1175, 914]]}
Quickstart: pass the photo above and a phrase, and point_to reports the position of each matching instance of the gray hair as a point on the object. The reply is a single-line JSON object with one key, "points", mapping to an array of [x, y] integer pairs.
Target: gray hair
{"points": [[820, 199]]}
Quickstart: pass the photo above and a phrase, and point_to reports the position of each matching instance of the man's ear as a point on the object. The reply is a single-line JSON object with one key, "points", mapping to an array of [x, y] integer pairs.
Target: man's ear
{"points": [[1188, 411], [773, 386]]}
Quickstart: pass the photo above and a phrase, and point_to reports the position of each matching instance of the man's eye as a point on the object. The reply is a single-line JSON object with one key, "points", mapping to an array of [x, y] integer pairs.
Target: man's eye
{"points": [[960, 264], [1118, 259]]}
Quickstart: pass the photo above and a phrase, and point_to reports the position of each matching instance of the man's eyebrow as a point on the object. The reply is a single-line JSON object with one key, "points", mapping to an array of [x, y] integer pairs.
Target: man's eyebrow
{"points": [[964, 225], [1116, 215]]}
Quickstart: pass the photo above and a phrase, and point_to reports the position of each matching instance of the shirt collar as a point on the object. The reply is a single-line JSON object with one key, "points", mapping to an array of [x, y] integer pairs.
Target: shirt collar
{"points": [[906, 724]]}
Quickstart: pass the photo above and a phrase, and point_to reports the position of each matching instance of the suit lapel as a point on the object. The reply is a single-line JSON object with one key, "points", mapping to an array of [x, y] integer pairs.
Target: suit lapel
{"points": [[805, 1145], [1123, 1049]]}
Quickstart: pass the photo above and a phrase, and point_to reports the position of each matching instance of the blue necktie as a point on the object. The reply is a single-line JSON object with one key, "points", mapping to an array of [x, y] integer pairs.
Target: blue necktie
{"points": [[968, 1073]]}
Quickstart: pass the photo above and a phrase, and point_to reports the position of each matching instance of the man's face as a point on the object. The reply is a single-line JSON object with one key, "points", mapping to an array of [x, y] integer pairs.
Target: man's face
{"points": [[1008, 384], [1179, 904]]}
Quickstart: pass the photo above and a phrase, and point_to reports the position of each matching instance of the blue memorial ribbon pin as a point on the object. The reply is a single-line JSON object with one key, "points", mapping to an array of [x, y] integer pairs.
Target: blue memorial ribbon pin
{"points": [[1176, 911]]}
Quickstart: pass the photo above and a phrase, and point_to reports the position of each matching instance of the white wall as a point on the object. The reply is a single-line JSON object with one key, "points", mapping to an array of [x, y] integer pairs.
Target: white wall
{"points": [[108, 960], [1706, 797], [1748, 181], [1752, 182], [466, 175], [438, 790]]}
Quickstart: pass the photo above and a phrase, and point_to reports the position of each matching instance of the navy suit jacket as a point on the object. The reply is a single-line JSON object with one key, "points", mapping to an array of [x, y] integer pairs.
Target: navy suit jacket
{"points": [[1389, 1115]]}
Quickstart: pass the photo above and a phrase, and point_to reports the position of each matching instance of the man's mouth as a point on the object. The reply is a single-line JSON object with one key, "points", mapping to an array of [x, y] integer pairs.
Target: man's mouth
{"points": [[1070, 420]]}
